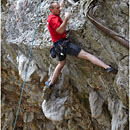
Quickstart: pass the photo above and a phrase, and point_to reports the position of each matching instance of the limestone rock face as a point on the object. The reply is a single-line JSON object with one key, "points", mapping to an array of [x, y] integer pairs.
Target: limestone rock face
{"points": [[85, 96]]}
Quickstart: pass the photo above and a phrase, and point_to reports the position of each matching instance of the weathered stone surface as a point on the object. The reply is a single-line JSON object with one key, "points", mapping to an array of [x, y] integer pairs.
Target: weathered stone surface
{"points": [[84, 96], [54, 110], [23, 65], [96, 106], [119, 115], [122, 81]]}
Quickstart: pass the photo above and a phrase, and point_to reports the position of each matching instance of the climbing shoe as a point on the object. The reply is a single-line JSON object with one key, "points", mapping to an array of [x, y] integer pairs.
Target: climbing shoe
{"points": [[47, 83], [111, 69]]}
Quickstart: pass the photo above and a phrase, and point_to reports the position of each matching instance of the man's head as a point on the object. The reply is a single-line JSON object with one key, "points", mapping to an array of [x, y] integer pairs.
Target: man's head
{"points": [[55, 8]]}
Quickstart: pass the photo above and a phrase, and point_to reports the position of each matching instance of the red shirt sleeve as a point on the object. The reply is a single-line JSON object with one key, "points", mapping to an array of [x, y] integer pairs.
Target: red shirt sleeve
{"points": [[54, 23]]}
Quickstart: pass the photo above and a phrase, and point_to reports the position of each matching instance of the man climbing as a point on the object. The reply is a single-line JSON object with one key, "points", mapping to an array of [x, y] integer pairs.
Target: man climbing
{"points": [[62, 46]]}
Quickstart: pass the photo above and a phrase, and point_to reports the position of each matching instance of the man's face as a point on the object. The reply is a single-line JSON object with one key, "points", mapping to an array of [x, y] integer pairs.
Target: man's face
{"points": [[56, 10]]}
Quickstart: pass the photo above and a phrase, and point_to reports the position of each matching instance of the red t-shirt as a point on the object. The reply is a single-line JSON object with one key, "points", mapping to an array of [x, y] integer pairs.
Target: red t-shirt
{"points": [[53, 22]]}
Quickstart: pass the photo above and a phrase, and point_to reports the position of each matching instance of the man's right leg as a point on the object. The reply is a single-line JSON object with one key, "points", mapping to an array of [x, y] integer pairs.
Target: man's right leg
{"points": [[57, 71]]}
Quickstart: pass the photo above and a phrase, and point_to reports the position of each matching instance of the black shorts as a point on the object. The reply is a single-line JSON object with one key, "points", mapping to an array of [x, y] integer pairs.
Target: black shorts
{"points": [[64, 47]]}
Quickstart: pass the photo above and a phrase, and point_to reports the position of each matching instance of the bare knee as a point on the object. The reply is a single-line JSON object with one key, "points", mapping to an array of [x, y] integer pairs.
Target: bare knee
{"points": [[61, 64], [83, 54]]}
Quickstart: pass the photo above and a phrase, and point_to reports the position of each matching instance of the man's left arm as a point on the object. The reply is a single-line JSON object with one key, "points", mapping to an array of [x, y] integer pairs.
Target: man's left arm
{"points": [[62, 4]]}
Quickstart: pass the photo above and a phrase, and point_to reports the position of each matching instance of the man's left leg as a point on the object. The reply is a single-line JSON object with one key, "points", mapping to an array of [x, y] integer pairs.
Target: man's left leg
{"points": [[93, 59], [74, 50]]}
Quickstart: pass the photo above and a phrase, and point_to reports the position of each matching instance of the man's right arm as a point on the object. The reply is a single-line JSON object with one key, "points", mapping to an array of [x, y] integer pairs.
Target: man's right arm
{"points": [[61, 29]]}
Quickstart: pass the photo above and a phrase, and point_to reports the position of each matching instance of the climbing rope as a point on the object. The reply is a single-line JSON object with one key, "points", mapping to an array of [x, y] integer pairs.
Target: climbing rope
{"points": [[26, 71]]}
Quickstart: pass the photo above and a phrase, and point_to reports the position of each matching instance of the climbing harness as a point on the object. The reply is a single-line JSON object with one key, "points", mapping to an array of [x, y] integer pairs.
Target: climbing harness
{"points": [[27, 64], [53, 52], [59, 48]]}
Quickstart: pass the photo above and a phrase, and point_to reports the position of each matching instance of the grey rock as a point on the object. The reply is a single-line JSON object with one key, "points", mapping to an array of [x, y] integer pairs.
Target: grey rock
{"points": [[84, 96]]}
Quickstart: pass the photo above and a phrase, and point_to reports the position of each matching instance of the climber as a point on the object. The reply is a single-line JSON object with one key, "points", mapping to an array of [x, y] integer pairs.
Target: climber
{"points": [[62, 46]]}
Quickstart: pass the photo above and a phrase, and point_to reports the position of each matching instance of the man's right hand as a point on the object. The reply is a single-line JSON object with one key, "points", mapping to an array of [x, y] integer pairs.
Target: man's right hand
{"points": [[67, 15], [62, 27]]}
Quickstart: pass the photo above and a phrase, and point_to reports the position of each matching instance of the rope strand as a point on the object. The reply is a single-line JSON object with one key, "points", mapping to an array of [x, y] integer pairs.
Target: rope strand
{"points": [[27, 66]]}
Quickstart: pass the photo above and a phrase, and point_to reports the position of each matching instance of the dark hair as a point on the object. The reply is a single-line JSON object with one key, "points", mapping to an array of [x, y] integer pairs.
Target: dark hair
{"points": [[51, 6]]}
